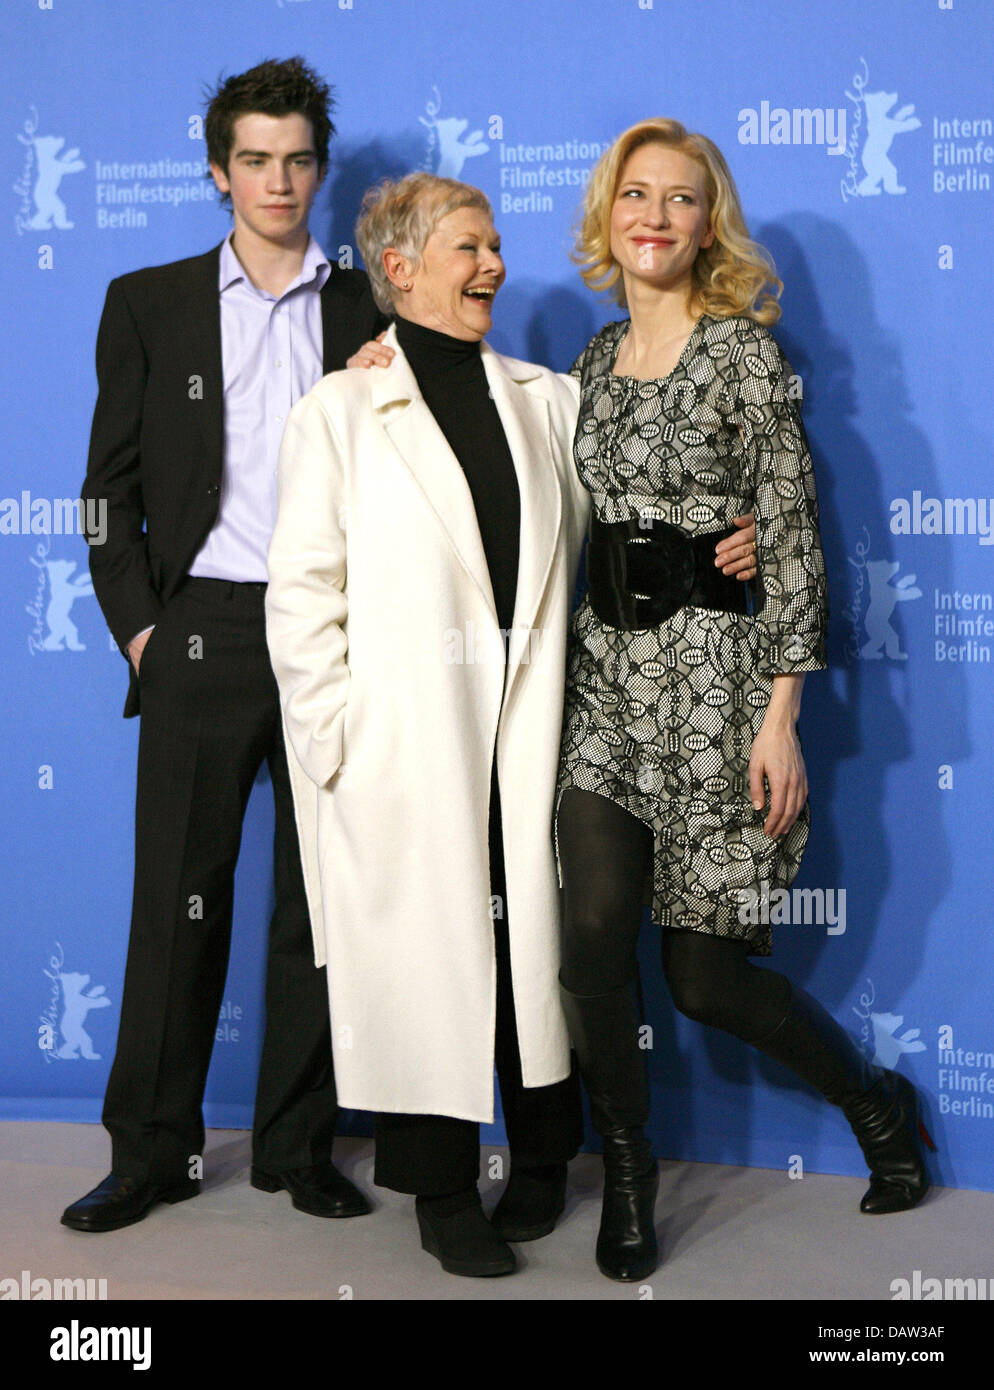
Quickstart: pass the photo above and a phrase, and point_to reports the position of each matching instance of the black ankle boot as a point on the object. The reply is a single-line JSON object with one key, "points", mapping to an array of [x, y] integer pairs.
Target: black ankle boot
{"points": [[881, 1106], [531, 1203], [886, 1121], [626, 1242], [604, 1029], [455, 1230]]}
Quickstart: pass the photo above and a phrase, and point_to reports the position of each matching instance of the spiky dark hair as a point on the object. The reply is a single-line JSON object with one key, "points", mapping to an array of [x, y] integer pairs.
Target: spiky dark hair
{"points": [[273, 88]]}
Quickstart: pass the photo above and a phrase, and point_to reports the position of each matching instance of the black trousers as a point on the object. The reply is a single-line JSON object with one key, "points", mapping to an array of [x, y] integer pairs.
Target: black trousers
{"points": [[430, 1155], [209, 717]]}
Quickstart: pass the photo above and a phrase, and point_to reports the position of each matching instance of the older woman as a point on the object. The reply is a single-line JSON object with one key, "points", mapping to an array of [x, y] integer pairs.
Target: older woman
{"points": [[430, 522]]}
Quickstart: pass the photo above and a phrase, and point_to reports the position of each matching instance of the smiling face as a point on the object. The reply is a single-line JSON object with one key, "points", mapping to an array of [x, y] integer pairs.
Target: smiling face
{"points": [[660, 217], [272, 177], [461, 270]]}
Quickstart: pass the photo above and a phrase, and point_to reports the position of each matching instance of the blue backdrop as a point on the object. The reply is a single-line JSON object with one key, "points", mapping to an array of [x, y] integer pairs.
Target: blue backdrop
{"points": [[862, 140]]}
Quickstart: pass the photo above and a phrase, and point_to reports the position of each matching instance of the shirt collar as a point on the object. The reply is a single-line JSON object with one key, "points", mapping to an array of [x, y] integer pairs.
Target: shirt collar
{"points": [[313, 274], [316, 268]]}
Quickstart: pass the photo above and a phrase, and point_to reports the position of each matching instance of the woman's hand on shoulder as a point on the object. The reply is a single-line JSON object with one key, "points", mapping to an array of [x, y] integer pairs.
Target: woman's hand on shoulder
{"points": [[372, 354]]}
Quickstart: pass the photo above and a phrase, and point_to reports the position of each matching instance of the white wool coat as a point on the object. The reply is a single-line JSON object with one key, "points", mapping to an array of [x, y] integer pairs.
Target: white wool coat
{"points": [[395, 694]]}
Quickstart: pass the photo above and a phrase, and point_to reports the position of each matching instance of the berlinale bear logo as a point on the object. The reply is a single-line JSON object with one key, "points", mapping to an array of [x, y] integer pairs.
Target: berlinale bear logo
{"points": [[65, 1014], [445, 133], [63, 593], [871, 121], [875, 594], [52, 167], [77, 1005], [881, 127], [884, 598], [889, 1046]]}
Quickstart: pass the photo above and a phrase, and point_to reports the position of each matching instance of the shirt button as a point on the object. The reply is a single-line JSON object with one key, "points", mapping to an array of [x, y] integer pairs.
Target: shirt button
{"points": [[278, 363]]}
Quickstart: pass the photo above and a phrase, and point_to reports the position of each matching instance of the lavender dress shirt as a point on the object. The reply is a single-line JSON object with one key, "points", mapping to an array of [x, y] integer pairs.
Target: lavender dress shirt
{"points": [[272, 354]]}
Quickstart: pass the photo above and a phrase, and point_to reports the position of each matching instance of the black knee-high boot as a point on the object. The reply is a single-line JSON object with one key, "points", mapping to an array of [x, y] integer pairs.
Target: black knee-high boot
{"points": [[881, 1106], [604, 1029]]}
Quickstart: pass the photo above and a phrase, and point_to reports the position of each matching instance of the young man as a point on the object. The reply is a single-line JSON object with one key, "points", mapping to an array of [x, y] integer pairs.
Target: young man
{"points": [[198, 364]]}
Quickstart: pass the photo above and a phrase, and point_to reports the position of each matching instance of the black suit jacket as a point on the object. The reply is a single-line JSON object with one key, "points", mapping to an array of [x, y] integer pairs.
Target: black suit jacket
{"points": [[157, 442]]}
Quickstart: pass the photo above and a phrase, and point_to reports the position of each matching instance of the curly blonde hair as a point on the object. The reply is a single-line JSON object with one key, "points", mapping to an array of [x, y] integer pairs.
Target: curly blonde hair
{"points": [[734, 275]]}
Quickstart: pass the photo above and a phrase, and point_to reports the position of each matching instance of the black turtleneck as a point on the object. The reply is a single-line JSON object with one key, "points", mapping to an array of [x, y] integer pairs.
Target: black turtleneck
{"points": [[453, 382]]}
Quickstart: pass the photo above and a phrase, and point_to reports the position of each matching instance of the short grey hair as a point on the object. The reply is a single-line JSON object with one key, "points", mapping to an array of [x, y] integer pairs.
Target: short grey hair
{"points": [[403, 213]]}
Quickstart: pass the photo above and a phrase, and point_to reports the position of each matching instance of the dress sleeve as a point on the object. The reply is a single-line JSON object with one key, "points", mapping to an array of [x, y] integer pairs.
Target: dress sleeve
{"points": [[792, 615], [306, 601]]}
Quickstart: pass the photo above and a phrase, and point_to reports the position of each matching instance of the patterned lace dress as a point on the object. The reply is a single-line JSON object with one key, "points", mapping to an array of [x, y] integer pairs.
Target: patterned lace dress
{"points": [[662, 719]]}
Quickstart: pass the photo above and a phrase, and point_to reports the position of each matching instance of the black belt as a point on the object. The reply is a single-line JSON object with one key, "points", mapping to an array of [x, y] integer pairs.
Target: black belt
{"points": [[643, 571]]}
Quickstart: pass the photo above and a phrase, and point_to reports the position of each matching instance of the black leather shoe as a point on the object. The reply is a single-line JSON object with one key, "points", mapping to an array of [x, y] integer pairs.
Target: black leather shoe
{"points": [[320, 1191], [531, 1203], [464, 1242], [121, 1202]]}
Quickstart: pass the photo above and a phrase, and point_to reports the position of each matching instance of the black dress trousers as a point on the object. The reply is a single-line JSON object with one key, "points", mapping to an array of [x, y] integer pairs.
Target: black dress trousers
{"points": [[210, 715], [430, 1155]]}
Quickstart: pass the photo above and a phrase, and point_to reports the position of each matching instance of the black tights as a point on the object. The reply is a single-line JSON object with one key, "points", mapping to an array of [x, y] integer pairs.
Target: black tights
{"points": [[605, 854]]}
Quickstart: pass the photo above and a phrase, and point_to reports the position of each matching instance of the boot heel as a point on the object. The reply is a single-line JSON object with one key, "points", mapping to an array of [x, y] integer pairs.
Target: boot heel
{"points": [[263, 1182], [427, 1233], [180, 1194]]}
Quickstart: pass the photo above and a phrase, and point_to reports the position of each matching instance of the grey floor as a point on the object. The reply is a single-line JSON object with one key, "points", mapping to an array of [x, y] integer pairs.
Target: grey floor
{"points": [[725, 1233]]}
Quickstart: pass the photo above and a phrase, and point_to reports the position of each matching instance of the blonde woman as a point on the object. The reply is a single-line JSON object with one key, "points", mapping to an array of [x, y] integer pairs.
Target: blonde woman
{"points": [[680, 759]]}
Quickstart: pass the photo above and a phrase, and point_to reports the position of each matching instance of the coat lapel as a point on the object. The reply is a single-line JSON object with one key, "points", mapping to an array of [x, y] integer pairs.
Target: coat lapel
{"points": [[418, 439], [330, 349], [200, 336], [525, 417], [416, 436]]}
